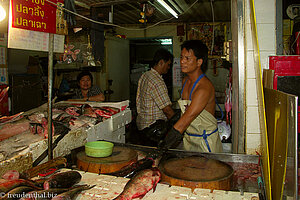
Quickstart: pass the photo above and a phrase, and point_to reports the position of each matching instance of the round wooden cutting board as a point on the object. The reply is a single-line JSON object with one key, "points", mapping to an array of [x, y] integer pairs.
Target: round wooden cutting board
{"points": [[120, 157], [197, 172]]}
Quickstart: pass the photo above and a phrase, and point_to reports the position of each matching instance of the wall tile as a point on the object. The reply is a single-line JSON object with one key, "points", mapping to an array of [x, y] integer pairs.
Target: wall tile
{"points": [[251, 93], [266, 36], [250, 64], [252, 119], [249, 43], [263, 15], [265, 11], [247, 11], [253, 143]]}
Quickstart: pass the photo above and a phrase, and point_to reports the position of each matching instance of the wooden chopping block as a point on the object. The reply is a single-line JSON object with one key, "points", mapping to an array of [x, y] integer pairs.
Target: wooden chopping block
{"points": [[197, 172], [121, 156]]}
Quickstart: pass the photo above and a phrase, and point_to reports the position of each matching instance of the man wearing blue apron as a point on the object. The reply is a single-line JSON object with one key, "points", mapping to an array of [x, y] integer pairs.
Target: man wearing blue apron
{"points": [[197, 125]]}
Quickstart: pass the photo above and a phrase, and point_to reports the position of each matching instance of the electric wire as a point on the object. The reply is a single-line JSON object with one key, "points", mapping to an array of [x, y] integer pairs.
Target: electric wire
{"points": [[213, 27], [118, 26]]}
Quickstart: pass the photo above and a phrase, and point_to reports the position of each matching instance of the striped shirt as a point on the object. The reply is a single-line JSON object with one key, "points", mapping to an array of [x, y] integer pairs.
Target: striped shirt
{"points": [[152, 97], [93, 91]]}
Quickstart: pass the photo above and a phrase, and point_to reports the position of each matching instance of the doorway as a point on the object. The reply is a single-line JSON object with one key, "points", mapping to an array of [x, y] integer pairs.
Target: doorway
{"points": [[142, 51], [141, 55]]}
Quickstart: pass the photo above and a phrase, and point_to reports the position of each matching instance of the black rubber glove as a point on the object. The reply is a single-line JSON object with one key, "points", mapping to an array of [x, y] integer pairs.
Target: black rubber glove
{"points": [[174, 119], [172, 139], [157, 131]]}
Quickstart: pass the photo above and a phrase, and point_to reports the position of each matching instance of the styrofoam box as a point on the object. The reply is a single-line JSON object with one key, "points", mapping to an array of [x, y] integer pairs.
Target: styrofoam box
{"points": [[112, 129]]}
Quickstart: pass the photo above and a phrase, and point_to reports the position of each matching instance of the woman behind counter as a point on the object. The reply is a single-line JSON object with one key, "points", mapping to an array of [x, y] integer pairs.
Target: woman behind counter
{"points": [[87, 91]]}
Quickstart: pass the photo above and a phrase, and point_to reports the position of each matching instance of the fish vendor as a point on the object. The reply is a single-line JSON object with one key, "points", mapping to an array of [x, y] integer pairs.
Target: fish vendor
{"points": [[87, 91], [152, 101], [197, 126]]}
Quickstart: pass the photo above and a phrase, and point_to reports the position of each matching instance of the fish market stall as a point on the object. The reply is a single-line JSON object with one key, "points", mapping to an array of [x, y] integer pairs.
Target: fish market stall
{"points": [[241, 184], [142, 180], [23, 140]]}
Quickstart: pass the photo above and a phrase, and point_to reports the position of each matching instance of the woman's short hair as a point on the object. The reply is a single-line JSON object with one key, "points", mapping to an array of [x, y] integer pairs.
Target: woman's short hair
{"points": [[84, 73]]}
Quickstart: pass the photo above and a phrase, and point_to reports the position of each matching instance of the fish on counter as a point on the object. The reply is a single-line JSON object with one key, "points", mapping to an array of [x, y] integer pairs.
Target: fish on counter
{"points": [[9, 185], [10, 129], [72, 193], [140, 184], [11, 175], [130, 170], [17, 192], [63, 180], [12, 118], [66, 115]]}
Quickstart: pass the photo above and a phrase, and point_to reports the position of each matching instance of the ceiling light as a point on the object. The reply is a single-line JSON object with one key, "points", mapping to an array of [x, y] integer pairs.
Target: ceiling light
{"points": [[166, 6], [165, 41]]}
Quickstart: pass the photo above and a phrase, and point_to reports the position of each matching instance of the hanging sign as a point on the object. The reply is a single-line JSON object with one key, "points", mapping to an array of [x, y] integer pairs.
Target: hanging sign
{"points": [[35, 15]]}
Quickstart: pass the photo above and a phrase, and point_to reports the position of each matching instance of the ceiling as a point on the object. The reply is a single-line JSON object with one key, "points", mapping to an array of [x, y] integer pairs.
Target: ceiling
{"points": [[126, 12]]}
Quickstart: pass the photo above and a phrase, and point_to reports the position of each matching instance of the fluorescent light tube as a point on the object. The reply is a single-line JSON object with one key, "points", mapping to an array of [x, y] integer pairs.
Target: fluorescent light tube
{"points": [[168, 8]]}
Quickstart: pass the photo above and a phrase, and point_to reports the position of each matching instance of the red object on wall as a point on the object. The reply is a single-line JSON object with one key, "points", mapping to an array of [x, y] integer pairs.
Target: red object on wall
{"points": [[4, 103], [35, 15], [285, 66]]}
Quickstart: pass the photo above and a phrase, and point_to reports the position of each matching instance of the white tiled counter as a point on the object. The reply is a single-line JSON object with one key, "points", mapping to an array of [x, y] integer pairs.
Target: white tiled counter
{"points": [[108, 187]]}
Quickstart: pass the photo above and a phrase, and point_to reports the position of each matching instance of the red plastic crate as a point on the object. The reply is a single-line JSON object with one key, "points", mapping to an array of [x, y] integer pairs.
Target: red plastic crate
{"points": [[285, 66]]}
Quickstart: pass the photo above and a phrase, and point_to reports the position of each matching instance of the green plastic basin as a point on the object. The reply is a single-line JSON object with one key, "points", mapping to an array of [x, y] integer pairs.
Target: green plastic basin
{"points": [[98, 149]]}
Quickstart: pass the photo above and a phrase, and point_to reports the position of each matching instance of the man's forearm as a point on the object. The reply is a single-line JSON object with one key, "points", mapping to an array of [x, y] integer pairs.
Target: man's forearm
{"points": [[168, 111]]}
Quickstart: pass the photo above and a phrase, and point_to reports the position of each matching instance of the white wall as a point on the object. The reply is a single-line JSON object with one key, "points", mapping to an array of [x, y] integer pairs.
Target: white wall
{"points": [[266, 23]]}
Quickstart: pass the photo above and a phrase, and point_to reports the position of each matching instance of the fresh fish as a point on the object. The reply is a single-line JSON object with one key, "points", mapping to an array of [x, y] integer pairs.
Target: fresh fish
{"points": [[17, 193], [40, 182], [12, 118], [14, 128], [89, 120], [11, 175], [132, 169], [61, 128], [2, 180], [73, 111], [9, 185], [63, 180], [36, 128], [87, 110], [71, 194], [140, 184]]}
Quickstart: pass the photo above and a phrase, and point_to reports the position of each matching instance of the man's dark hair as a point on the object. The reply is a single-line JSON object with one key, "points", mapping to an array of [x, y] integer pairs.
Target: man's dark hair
{"points": [[162, 54], [200, 51], [84, 73]]}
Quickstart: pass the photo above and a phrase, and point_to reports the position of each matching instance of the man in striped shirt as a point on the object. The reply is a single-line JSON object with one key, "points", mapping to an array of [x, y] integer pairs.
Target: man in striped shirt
{"points": [[152, 100]]}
